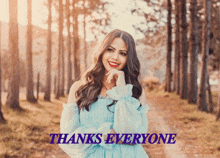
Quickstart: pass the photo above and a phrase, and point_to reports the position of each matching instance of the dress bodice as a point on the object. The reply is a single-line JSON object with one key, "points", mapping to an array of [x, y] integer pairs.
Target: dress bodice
{"points": [[124, 116], [98, 113]]}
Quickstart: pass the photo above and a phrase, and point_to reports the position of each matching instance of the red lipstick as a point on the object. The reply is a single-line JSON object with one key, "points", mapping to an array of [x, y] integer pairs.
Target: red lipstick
{"points": [[113, 65]]}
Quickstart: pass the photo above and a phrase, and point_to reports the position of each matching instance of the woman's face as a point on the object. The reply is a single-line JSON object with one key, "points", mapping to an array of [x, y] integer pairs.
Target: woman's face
{"points": [[116, 56]]}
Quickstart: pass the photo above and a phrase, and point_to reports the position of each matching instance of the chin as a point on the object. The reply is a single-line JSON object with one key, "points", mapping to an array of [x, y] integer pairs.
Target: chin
{"points": [[111, 68]]}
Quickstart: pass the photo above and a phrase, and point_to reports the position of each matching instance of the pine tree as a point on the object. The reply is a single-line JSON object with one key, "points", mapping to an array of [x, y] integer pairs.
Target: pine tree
{"points": [[183, 51], [47, 94], [193, 51], [30, 82], [13, 89], [202, 102], [169, 47]]}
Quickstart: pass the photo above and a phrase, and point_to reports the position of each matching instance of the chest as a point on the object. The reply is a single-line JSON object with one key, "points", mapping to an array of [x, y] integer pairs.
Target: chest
{"points": [[98, 113]]}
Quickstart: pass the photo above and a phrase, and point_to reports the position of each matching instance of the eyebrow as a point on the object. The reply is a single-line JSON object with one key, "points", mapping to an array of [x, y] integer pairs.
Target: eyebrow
{"points": [[120, 50]]}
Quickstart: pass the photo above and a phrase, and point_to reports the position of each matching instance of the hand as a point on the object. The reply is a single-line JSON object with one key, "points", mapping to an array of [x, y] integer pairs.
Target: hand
{"points": [[112, 131], [114, 138], [119, 76]]}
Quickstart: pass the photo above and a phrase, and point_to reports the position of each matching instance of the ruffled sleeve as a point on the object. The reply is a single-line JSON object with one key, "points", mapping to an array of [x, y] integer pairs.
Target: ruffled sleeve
{"points": [[129, 117], [70, 118], [70, 124]]}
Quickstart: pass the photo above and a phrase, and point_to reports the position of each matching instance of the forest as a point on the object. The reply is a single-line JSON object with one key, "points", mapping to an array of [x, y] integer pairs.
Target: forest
{"points": [[179, 51]]}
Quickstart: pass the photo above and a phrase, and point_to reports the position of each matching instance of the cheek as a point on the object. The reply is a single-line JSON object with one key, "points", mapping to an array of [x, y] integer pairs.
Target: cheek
{"points": [[104, 57], [124, 60]]}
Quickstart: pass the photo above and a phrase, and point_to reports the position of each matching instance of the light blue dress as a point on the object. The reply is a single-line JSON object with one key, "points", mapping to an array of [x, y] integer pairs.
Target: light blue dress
{"points": [[125, 116]]}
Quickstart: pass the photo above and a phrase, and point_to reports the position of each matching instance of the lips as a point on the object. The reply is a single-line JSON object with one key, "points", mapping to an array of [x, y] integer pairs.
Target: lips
{"points": [[113, 64]]}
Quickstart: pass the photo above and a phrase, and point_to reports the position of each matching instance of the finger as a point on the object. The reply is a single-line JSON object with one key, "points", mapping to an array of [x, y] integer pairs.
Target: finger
{"points": [[110, 77], [112, 131], [112, 74], [109, 73], [112, 71], [107, 80]]}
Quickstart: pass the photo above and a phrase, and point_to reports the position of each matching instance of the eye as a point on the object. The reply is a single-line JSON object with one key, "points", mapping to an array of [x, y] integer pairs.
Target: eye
{"points": [[124, 54], [110, 50]]}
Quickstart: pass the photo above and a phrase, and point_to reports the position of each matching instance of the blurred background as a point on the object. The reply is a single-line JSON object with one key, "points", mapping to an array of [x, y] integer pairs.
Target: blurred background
{"points": [[45, 45], [81, 25]]}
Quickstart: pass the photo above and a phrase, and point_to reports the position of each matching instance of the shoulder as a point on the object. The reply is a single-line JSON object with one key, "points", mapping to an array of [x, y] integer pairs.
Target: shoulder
{"points": [[75, 86]]}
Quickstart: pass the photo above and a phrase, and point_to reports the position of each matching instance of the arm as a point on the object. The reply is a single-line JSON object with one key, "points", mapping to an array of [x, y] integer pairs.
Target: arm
{"points": [[70, 115], [129, 116], [73, 89], [143, 110], [70, 123]]}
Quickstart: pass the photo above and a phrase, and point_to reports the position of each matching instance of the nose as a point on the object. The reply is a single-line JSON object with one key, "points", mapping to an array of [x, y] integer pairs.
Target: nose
{"points": [[115, 55]]}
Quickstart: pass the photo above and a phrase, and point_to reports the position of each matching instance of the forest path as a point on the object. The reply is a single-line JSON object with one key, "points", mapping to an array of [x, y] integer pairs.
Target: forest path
{"points": [[158, 124]]}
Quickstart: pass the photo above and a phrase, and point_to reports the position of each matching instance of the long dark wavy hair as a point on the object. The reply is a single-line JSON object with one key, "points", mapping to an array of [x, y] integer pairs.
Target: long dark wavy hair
{"points": [[88, 93]]}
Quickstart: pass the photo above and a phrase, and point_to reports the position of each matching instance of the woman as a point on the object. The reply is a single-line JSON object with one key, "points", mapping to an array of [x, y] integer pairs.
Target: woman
{"points": [[108, 99]]}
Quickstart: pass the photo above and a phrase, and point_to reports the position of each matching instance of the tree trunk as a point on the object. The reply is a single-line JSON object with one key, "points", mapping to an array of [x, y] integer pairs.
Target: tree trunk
{"points": [[169, 47], [13, 89], [49, 54], [73, 56], [84, 31], [69, 64], [76, 44], [60, 48], [55, 84], [177, 50], [38, 85], [30, 83], [63, 69], [211, 106], [2, 119], [193, 51], [218, 113], [202, 105], [183, 51]]}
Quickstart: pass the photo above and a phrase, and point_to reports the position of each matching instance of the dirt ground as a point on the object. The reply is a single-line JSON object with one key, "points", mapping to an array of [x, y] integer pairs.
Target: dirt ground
{"points": [[169, 114], [32, 139], [157, 124]]}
